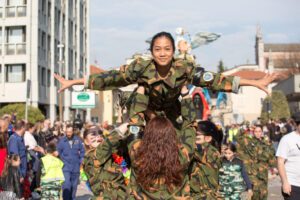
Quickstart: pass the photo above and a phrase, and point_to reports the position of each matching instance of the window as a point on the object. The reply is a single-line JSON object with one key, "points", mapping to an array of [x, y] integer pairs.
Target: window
{"points": [[16, 8], [71, 33], [0, 73], [70, 63], [48, 78], [16, 2], [43, 6], [43, 76], [15, 73], [1, 8], [0, 40], [49, 9], [16, 34], [43, 45], [15, 37]]}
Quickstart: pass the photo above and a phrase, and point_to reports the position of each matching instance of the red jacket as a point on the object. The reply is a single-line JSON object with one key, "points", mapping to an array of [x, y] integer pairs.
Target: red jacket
{"points": [[3, 154]]}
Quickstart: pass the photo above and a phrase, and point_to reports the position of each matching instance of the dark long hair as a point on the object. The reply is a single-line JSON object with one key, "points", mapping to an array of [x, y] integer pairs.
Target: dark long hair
{"points": [[8, 162], [159, 35], [158, 155], [210, 129], [3, 140]]}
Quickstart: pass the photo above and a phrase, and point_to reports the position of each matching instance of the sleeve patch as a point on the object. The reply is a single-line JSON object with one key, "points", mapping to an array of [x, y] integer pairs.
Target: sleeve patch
{"points": [[208, 76]]}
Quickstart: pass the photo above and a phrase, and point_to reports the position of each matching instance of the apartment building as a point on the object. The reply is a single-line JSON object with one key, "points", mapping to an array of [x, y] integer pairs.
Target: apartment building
{"points": [[30, 37]]}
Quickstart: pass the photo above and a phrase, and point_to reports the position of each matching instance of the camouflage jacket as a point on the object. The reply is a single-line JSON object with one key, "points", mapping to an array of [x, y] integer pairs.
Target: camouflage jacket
{"points": [[186, 151], [104, 175], [257, 155], [163, 92], [204, 172]]}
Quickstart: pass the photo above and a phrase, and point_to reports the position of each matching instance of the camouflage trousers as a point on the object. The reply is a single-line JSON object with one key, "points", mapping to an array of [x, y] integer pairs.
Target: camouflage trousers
{"points": [[260, 189], [232, 193], [207, 195]]}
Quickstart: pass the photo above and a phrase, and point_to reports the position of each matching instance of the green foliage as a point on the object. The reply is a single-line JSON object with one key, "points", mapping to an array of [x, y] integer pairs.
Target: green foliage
{"points": [[280, 107], [221, 67], [34, 114]]}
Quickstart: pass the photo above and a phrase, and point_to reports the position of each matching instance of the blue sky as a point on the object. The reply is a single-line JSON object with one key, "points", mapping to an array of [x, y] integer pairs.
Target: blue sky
{"points": [[119, 28]]}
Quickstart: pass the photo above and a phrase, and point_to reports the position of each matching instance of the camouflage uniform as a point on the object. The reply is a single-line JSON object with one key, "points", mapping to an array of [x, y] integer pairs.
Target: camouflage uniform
{"points": [[231, 179], [258, 156], [186, 151], [104, 175], [163, 92], [204, 172]]}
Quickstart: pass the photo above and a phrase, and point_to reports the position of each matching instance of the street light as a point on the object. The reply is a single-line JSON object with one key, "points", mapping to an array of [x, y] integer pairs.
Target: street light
{"points": [[60, 61]]}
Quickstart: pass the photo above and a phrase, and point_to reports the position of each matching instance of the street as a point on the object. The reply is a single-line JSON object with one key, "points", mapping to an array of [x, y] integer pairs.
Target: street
{"points": [[274, 190]]}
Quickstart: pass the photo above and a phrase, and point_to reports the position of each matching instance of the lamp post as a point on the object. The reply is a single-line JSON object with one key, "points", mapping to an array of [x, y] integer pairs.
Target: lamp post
{"points": [[60, 61]]}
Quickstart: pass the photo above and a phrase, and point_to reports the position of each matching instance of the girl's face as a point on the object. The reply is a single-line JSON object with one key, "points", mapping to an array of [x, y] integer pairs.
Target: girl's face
{"points": [[93, 140], [229, 155], [16, 163], [258, 132], [162, 51], [202, 138]]}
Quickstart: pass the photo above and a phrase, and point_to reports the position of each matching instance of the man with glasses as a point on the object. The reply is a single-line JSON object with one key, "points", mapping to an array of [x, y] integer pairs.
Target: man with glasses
{"points": [[288, 160], [71, 151]]}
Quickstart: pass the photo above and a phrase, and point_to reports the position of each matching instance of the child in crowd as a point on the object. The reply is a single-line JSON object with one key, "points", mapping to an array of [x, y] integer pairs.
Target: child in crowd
{"points": [[10, 179], [50, 175], [232, 175]]}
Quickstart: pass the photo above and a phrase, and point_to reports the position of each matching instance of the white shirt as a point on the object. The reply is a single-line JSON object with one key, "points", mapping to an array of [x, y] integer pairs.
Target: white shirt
{"points": [[29, 141], [289, 149]]}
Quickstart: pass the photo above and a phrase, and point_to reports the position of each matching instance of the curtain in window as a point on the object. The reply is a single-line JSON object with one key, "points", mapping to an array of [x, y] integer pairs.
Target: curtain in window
{"points": [[15, 2], [15, 35], [15, 73]]}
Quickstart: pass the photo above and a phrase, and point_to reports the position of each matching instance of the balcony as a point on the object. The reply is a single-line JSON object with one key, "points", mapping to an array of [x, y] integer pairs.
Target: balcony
{"points": [[16, 11], [15, 48]]}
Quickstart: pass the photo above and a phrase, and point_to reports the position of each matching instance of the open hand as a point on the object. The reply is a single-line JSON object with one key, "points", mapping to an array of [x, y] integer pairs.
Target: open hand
{"points": [[64, 83], [265, 81]]}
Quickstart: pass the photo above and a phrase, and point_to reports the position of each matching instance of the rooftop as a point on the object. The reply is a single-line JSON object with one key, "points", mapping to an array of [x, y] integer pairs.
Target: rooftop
{"points": [[95, 70], [292, 47], [254, 75]]}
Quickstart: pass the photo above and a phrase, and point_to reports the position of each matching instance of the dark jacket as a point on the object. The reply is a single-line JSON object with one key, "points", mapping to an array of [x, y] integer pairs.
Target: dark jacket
{"points": [[275, 137], [12, 181]]}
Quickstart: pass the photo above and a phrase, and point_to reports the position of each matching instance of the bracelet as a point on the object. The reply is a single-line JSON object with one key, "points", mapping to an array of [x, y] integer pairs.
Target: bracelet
{"points": [[185, 94]]}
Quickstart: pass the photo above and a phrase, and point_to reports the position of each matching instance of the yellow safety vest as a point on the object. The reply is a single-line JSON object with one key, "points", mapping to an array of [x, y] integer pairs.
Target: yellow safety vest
{"points": [[231, 134], [53, 167]]}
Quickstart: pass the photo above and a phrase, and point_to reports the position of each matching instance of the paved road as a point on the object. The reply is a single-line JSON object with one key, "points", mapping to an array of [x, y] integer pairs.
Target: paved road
{"points": [[274, 190]]}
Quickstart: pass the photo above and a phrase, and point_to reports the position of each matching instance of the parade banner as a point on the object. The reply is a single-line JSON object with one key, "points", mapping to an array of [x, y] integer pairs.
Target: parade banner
{"points": [[83, 100]]}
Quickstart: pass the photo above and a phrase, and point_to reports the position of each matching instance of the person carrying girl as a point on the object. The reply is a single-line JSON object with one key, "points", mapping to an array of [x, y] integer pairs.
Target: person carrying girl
{"points": [[233, 175], [10, 179], [159, 156], [104, 167], [204, 169]]}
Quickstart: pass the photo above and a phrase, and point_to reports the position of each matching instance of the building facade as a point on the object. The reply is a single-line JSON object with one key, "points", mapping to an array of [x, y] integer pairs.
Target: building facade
{"points": [[269, 58], [31, 43]]}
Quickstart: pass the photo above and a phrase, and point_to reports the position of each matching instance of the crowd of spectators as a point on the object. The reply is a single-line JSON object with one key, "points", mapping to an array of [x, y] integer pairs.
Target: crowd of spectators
{"points": [[29, 142]]}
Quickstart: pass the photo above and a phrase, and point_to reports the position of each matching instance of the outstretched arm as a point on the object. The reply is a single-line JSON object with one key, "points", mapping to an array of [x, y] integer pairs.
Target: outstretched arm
{"points": [[261, 83], [109, 80], [227, 83]]}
